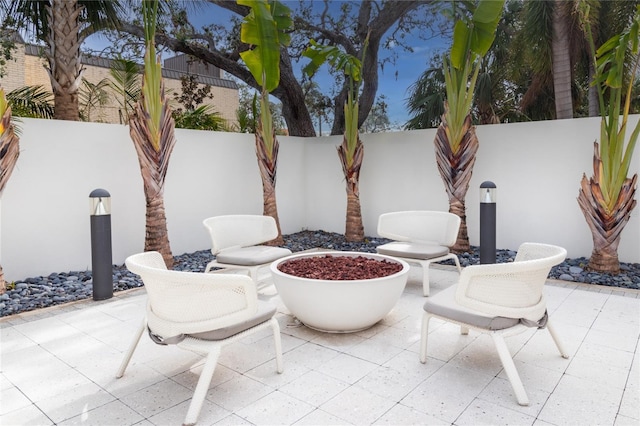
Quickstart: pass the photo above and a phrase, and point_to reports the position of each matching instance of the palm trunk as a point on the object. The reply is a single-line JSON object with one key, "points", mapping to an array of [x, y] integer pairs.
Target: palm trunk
{"points": [[66, 106], [606, 225], [3, 283], [268, 165], [561, 61], [354, 230], [65, 70], [153, 167], [156, 235], [455, 170], [9, 152]]}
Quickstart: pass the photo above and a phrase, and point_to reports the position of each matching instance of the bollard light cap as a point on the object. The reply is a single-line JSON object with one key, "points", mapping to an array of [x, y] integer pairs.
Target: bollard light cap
{"points": [[99, 193]]}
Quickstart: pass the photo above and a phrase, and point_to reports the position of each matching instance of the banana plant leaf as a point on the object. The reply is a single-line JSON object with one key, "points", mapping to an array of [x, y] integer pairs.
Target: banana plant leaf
{"points": [[265, 28], [474, 36]]}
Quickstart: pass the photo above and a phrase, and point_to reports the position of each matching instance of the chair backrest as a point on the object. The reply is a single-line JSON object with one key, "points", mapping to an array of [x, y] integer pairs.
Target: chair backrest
{"points": [[513, 290], [192, 302], [240, 231], [420, 227]]}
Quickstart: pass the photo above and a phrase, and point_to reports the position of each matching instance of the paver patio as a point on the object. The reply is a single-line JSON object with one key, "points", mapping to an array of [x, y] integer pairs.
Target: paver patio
{"points": [[58, 367]]}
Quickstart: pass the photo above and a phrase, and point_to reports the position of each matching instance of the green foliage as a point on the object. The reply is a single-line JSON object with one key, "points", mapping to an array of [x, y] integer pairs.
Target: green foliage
{"points": [[7, 46], [152, 78], [352, 69], [611, 71], [339, 60], [245, 121], [203, 117], [92, 96], [33, 16], [266, 29], [472, 38], [126, 82], [31, 101], [249, 110], [426, 99]]}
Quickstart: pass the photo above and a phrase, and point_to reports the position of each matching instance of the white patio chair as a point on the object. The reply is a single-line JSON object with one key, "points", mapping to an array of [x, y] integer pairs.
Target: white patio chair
{"points": [[235, 240], [201, 313], [500, 300], [420, 237]]}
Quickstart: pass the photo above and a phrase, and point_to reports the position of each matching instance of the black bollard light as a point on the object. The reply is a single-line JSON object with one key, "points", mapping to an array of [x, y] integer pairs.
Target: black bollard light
{"points": [[101, 256], [487, 222]]}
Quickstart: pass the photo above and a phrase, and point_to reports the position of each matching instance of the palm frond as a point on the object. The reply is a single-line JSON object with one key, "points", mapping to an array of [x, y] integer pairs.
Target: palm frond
{"points": [[31, 101], [92, 96], [204, 117], [126, 83]]}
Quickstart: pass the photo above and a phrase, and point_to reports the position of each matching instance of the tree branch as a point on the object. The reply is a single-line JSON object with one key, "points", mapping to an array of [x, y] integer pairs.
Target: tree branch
{"points": [[225, 61], [232, 6], [332, 36]]}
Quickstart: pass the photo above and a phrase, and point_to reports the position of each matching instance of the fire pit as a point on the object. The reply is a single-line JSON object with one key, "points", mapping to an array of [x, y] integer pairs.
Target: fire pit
{"points": [[339, 292]]}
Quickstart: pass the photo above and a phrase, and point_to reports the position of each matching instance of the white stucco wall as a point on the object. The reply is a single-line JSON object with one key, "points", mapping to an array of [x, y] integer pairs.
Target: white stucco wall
{"points": [[45, 215]]}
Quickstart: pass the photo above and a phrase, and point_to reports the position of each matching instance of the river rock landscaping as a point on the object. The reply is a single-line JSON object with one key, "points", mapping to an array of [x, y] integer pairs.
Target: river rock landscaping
{"points": [[63, 287]]}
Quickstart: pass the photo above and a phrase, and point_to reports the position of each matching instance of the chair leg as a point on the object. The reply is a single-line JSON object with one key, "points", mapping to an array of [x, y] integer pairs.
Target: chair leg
{"points": [[557, 341], [425, 278], [253, 273], [202, 387], [278, 344], [464, 330], [132, 348], [424, 335], [455, 259], [510, 369]]}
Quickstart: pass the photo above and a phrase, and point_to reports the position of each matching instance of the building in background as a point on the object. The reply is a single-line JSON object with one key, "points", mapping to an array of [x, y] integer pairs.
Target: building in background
{"points": [[26, 68]]}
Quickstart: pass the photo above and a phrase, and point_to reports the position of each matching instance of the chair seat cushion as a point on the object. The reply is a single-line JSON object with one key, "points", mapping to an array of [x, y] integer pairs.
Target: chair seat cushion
{"points": [[251, 256], [265, 311], [413, 250], [444, 304]]}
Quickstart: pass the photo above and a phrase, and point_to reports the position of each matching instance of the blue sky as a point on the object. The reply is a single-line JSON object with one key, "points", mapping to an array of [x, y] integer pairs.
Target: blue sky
{"points": [[394, 80]]}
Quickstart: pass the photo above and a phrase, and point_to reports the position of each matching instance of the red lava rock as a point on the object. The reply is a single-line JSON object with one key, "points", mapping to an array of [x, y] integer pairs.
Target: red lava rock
{"points": [[339, 267]]}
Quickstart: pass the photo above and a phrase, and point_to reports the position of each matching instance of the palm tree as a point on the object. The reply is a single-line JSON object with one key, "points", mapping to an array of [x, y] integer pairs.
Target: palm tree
{"points": [[560, 46], [456, 143], [497, 85], [9, 151], [204, 117], [266, 29], [552, 38], [426, 99], [92, 96], [351, 151], [607, 198], [125, 82], [152, 130], [31, 101], [63, 25], [558, 53]]}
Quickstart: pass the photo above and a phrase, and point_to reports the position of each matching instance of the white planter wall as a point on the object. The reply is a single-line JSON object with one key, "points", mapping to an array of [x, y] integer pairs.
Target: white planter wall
{"points": [[45, 215]]}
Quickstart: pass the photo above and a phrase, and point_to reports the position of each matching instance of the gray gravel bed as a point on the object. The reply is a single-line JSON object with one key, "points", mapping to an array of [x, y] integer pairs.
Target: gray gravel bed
{"points": [[63, 287]]}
